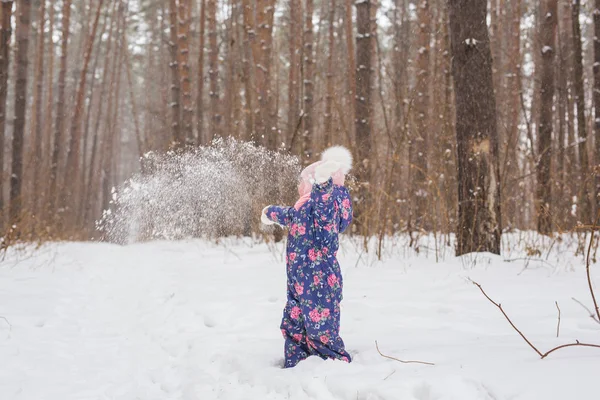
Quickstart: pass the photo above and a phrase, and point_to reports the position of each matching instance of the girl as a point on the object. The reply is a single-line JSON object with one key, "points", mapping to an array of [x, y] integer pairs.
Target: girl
{"points": [[311, 318]]}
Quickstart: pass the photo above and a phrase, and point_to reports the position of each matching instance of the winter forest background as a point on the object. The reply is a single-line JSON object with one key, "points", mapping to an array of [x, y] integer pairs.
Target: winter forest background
{"points": [[94, 91]]}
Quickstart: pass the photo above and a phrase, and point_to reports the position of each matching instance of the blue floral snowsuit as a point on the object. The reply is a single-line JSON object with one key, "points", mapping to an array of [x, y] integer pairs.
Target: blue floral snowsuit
{"points": [[311, 318]]}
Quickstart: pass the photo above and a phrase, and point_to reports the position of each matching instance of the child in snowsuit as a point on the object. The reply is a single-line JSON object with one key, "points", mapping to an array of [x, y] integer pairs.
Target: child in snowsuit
{"points": [[311, 318]]}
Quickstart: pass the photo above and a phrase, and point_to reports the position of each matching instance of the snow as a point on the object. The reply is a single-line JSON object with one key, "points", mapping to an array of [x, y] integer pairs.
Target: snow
{"points": [[193, 320]]}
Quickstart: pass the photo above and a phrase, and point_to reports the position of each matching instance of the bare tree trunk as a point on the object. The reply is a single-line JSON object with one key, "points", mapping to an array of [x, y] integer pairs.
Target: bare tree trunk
{"points": [[60, 105], [96, 145], [177, 138], [294, 71], [364, 64], [71, 193], [562, 198], [22, 33], [544, 163], [418, 140], [213, 70], [478, 165], [202, 140], [330, 78], [183, 62], [37, 112], [351, 64], [596, 14], [5, 34], [309, 68], [584, 199]]}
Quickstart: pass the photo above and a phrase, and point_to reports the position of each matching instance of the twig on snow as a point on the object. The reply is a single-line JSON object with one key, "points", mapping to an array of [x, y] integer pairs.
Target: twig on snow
{"points": [[8, 323], [397, 359], [389, 375], [558, 323], [592, 316], [542, 355]]}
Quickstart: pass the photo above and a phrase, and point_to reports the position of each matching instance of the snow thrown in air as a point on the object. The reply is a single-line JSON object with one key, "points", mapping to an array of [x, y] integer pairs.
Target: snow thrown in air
{"points": [[212, 191]]}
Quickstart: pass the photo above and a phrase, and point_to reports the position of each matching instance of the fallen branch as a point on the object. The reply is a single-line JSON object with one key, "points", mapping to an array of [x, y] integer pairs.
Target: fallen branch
{"points": [[397, 359], [592, 316], [558, 323], [542, 355]]}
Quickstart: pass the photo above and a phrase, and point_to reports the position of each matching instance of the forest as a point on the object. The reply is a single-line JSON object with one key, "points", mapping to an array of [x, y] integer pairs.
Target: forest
{"points": [[463, 117]]}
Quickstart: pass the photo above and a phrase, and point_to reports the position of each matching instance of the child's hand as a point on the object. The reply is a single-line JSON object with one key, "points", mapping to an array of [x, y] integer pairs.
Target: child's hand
{"points": [[263, 217], [326, 170]]}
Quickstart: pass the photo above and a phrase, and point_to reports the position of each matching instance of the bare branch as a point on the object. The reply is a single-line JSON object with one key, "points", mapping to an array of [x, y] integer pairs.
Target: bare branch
{"points": [[397, 359], [542, 355], [558, 323], [591, 314], [507, 318]]}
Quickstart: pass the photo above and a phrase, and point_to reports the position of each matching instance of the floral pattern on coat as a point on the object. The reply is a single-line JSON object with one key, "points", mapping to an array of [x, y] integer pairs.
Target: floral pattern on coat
{"points": [[311, 318]]}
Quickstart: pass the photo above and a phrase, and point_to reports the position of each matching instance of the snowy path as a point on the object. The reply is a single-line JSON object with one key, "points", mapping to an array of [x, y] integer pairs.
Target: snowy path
{"points": [[193, 321]]}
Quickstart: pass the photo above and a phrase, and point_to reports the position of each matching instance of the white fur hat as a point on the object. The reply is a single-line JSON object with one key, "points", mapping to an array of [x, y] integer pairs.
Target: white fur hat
{"points": [[339, 154]]}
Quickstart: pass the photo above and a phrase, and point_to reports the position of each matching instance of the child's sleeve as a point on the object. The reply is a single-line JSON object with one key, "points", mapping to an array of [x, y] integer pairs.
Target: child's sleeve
{"points": [[345, 210], [280, 214]]}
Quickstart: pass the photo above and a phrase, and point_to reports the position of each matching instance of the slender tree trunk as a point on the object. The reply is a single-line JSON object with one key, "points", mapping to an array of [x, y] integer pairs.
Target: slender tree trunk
{"points": [[202, 140], [478, 165], [309, 68], [71, 193], [418, 140], [294, 71], [330, 78], [364, 65], [562, 200], [177, 138], [596, 14], [351, 64], [59, 126], [5, 34], [22, 33], [584, 199], [248, 70], [183, 63], [97, 147], [48, 110], [37, 112], [543, 166], [213, 70]]}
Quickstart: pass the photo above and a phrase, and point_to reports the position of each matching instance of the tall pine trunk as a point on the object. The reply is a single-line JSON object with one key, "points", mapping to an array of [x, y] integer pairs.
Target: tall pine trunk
{"points": [[309, 72], [364, 65], [584, 200], [596, 14], [37, 112], [59, 126], [330, 78], [5, 34], [200, 96], [22, 33], [176, 131], [183, 62], [419, 138], [71, 195], [213, 70], [294, 71], [351, 65], [543, 165], [478, 227]]}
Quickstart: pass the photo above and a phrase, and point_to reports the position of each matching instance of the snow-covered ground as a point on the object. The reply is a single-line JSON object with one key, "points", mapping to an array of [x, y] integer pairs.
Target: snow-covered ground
{"points": [[191, 320]]}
